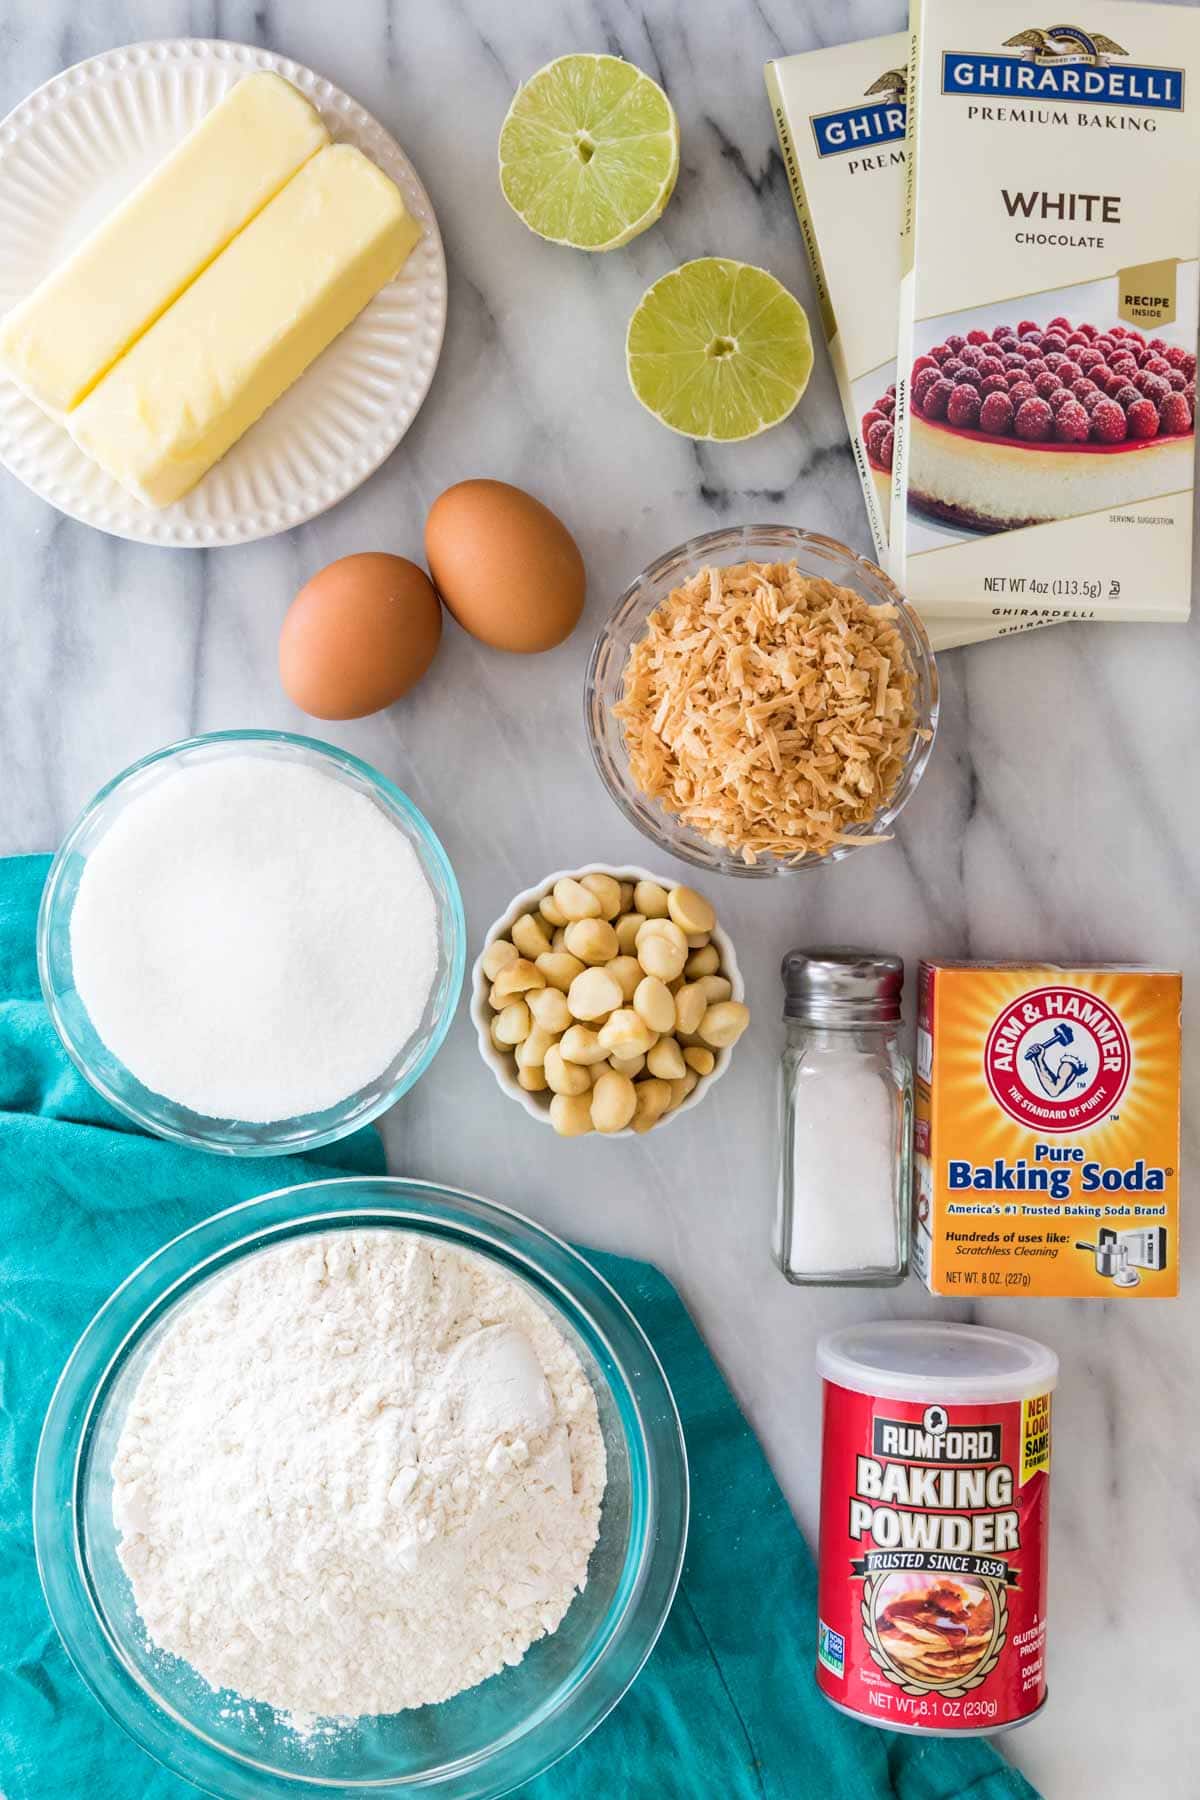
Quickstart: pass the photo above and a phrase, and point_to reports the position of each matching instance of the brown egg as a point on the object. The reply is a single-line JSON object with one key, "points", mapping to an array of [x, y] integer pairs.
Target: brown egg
{"points": [[508, 570], [358, 635]]}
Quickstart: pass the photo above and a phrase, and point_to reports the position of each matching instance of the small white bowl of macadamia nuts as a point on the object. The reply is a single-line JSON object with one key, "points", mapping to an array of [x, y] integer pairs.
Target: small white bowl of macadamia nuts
{"points": [[607, 1000]]}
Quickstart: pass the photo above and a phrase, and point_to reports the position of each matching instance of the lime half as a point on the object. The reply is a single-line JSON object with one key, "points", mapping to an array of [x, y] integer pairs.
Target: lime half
{"points": [[589, 152], [719, 349]]}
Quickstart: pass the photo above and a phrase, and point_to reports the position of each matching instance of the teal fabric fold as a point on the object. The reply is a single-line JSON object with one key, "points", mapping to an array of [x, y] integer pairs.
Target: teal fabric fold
{"points": [[726, 1709]]}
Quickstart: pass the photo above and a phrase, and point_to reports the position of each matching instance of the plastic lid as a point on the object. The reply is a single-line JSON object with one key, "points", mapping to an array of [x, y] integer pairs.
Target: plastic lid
{"points": [[936, 1359]]}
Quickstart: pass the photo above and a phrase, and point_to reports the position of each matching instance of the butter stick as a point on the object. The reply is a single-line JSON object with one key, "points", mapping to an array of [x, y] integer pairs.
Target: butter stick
{"points": [[60, 340], [247, 327]]}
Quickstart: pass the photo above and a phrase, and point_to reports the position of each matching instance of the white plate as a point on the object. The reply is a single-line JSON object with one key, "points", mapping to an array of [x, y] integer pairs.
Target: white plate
{"points": [[75, 148]]}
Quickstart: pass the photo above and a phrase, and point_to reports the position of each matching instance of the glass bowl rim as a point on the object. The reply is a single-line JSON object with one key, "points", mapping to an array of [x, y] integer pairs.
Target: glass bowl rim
{"points": [[85, 1380], [452, 946], [669, 836]]}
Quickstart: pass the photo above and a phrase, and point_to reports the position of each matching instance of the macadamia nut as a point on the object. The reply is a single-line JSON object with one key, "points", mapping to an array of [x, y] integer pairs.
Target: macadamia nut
{"points": [[531, 1051], [579, 1044], [571, 1114], [550, 1010], [518, 977], [593, 995], [702, 962], [593, 941], [665, 1059], [682, 1088], [514, 1024], [559, 969], [626, 971], [614, 1102], [607, 890], [650, 899], [665, 928], [690, 910], [574, 901], [691, 1004], [655, 1002], [625, 1033], [660, 955], [724, 1023], [497, 956], [628, 926], [716, 987], [530, 936], [563, 1076], [653, 1100]]}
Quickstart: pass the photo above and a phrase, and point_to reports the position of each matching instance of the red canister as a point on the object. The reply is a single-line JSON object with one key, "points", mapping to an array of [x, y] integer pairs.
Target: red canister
{"points": [[935, 1481]]}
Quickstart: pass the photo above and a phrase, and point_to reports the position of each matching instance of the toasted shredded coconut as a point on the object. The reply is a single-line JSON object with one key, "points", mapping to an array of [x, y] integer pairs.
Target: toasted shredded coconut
{"points": [[769, 710]]}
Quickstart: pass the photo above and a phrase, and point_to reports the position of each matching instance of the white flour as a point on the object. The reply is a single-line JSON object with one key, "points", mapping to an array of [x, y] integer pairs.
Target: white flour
{"points": [[361, 1473], [254, 940]]}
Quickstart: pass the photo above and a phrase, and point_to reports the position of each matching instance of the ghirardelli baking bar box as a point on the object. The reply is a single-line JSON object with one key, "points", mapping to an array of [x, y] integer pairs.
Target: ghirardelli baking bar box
{"points": [[1044, 429], [840, 115]]}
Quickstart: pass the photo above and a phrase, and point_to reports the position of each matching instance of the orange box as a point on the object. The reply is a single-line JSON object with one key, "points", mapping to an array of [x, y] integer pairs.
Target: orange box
{"points": [[1047, 1130]]}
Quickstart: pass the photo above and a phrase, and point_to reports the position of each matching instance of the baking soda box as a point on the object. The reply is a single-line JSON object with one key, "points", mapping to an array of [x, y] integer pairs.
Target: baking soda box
{"points": [[1044, 434], [841, 116], [1047, 1130]]}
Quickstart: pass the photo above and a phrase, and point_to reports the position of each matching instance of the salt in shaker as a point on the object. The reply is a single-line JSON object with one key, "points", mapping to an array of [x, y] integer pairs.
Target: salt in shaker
{"points": [[846, 1121]]}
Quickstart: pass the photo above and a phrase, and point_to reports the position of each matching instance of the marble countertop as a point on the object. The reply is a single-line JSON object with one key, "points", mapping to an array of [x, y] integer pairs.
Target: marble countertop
{"points": [[1054, 819]]}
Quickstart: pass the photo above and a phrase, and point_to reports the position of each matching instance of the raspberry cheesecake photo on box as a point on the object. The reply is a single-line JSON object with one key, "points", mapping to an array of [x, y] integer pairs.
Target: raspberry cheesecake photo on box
{"points": [[1046, 411], [874, 400]]}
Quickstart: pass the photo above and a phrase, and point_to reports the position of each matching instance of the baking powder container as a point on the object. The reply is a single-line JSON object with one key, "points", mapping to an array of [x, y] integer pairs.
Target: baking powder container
{"points": [[935, 1479]]}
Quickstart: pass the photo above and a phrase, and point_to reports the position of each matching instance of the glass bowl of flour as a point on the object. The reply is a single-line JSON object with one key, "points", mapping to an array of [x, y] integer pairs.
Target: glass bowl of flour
{"points": [[251, 942], [357, 1445]]}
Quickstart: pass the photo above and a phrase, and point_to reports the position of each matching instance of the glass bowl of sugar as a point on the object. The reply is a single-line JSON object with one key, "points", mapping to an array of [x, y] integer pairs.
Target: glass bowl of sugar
{"points": [[251, 942]]}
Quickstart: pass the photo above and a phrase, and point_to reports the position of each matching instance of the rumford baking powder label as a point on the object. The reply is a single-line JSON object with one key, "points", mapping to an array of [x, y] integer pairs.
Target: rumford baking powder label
{"points": [[1047, 1130], [933, 1560], [1044, 437], [841, 118]]}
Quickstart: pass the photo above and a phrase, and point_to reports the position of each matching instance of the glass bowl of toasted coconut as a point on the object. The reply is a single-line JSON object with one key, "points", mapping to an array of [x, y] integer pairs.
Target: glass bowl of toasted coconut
{"points": [[762, 699]]}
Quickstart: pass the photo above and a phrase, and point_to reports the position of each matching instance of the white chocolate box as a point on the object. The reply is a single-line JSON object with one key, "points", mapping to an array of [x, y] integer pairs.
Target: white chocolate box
{"points": [[1044, 446], [840, 116]]}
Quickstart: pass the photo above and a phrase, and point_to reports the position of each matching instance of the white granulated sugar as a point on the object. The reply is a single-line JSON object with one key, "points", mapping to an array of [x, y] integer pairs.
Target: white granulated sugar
{"points": [[253, 939], [362, 1472]]}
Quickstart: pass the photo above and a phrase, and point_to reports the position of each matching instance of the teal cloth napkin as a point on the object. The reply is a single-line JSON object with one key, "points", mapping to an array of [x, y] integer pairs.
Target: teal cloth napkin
{"points": [[727, 1708]]}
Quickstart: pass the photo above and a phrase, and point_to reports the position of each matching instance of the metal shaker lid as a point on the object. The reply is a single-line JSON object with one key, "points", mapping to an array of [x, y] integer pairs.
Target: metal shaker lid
{"points": [[842, 986]]}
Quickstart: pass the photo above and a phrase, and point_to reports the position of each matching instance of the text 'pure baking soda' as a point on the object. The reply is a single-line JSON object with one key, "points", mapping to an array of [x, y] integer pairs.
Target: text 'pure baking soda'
{"points": [[935, 1478], [1047, 1130]]}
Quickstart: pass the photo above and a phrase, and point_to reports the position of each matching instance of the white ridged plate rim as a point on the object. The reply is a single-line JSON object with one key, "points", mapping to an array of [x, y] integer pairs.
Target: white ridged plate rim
{"points": [[68, 153]]}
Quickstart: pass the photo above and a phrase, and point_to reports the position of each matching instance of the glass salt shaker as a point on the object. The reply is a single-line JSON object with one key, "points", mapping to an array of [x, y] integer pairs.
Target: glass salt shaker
{"points": [[846, 1121]]}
